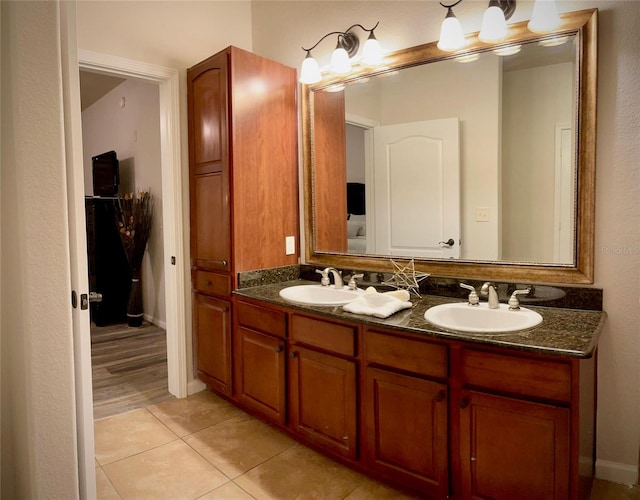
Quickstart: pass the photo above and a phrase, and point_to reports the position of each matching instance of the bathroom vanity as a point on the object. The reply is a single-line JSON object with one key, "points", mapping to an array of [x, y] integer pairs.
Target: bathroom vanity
{"points": [[445, 414]]}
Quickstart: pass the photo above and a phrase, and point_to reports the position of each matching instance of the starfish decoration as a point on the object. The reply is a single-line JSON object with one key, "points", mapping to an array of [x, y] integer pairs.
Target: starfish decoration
{"points": [[405, 277]]}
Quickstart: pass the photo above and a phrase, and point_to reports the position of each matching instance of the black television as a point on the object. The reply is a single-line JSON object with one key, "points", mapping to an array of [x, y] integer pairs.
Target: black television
{"points": [[106, 174]]}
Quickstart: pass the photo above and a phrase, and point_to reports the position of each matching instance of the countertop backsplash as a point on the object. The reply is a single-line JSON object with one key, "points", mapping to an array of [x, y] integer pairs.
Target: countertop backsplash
{"points": [[569, 297]]}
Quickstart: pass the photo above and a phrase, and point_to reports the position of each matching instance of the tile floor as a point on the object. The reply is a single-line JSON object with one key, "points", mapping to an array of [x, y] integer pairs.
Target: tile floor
{"points": [[202, 447]]}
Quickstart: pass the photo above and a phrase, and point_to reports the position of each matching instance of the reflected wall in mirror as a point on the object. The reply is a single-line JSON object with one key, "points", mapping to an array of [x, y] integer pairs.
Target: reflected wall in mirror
{"points": [[483, 168]]}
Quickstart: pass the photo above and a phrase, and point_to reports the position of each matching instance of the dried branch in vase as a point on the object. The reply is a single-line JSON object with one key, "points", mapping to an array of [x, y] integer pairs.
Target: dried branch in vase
{"points": [[134, 217]]}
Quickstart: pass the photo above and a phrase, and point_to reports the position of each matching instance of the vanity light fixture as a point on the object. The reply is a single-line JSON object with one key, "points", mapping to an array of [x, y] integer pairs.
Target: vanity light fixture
{"points": [[494, 21], [346, 47], [451, 34], [494, 29], [340, 63], [310, 71], [544, 17]]}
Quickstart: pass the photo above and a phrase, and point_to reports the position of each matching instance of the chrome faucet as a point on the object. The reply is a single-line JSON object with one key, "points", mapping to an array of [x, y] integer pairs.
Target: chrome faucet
{"points": [[514, 303], [473, 296], [489, 289], [337, 277]]}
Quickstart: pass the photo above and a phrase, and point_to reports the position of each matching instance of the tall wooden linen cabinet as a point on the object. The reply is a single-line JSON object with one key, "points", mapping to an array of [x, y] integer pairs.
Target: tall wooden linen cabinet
{"points": [[243, 185]]}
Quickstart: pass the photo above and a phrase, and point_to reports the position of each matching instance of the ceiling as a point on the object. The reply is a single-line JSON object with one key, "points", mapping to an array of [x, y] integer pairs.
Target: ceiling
{"points": [[93, 86]]}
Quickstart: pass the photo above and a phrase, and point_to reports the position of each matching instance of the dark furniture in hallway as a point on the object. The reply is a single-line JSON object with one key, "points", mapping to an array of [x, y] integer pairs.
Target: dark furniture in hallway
{"points": [[109, 273]]}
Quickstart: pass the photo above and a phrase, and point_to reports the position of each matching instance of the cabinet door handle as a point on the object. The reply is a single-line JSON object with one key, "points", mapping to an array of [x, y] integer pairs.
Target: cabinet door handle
{"points": [[438, 398], [464, 402], [279, 348], [292, 355]]}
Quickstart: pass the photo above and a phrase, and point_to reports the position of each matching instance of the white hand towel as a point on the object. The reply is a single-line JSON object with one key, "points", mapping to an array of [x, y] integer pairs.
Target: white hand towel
{"points": [[376, 304]]}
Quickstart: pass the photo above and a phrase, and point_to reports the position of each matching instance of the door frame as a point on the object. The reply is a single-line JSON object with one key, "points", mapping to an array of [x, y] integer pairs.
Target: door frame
{"points": [[368, 125], [173, 244]]}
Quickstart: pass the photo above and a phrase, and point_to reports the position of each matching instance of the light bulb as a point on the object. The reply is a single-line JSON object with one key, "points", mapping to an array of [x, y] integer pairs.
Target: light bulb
{"points": [[451, 35], [372, 52], [340, 63], [310, 71], [494, 27], [544, 17]]}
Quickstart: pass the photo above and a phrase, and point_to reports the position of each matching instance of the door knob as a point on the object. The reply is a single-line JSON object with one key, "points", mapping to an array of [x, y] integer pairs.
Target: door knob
{"points": [[448, 243]]}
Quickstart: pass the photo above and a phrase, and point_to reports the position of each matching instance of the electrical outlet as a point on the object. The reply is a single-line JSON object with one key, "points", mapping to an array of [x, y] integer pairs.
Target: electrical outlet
{"points": [[290, 245], [482, 214]]}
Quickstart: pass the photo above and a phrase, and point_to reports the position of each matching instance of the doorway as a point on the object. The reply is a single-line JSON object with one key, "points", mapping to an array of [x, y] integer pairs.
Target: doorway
{"points": [[121, 149], [175, 266]]}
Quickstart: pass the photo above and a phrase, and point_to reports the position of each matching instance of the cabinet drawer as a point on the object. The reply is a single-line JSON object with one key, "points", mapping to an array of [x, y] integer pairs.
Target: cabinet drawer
{"points": [[212, 283], [262, 319], [424, 358], [517, 375], [323, 334]]}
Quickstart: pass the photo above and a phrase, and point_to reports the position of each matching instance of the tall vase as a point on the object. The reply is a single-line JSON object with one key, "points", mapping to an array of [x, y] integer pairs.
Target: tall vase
{"points": [[134, 308]]}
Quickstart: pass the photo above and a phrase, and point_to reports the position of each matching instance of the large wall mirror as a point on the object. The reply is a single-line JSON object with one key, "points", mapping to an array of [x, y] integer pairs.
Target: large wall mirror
{"points": [[475, 165]]}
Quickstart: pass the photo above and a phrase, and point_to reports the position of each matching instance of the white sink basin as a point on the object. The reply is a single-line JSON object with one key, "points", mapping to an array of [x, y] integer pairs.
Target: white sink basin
{"points": [[462, 317], [317, 295]]}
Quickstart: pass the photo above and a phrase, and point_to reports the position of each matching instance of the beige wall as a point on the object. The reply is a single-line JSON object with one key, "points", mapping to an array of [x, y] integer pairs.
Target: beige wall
{"points": [[133, 131], [175, 34], [37, 393], [617, 257], [529, 158]]}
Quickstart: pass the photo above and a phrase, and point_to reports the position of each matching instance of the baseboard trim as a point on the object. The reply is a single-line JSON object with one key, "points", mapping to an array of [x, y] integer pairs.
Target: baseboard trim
{"points": [[154, 321], [616, 472], [194, 386]]}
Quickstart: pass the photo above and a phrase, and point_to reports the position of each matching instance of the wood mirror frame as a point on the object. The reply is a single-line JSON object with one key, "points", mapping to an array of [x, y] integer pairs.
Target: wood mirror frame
{"points": [[584, 24]]}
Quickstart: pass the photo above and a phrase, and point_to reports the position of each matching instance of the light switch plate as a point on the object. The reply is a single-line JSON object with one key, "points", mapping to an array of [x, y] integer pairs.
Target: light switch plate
{"points": [[482, 214], [290, 245]]}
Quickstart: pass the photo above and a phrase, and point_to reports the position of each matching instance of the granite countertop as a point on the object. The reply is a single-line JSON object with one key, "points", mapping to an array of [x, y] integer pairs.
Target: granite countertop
{"points": [[571, 333]]}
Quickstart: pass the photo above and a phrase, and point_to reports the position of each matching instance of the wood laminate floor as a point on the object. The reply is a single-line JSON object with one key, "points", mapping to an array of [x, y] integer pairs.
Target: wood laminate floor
{"points": [[129, 368]]}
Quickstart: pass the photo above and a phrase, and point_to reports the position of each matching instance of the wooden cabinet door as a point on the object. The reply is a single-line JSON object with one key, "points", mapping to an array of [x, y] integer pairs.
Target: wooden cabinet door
{"points": [[207, 89], [210, 222], [406, 430], [260, 373], [212, 320], [323, 400], [512, 448], [207, 100]]}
